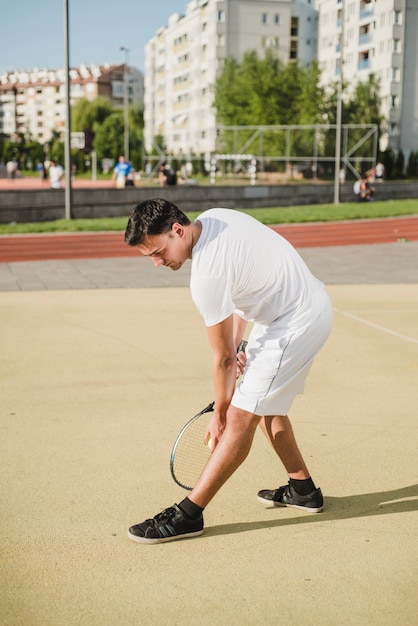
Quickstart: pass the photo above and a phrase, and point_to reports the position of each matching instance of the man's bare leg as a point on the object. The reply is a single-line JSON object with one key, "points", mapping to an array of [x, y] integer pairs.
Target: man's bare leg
{"points": [[279, 431], [232, 449], [301, 493]]}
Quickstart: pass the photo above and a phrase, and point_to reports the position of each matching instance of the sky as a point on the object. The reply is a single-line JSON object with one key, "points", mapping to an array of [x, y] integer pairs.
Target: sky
{"points": [[32, 33]]}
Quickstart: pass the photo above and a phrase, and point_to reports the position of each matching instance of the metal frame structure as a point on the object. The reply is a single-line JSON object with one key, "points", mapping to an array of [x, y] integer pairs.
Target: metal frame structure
{"points": [[348, 155], [252, 147], [252, 168]]}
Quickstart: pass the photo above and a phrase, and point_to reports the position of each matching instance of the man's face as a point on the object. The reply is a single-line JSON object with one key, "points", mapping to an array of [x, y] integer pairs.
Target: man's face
{"points": [[168, 249]]}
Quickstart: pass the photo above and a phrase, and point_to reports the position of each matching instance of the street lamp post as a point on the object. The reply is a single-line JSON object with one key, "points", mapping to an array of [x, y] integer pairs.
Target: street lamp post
{"points": [[339, 114], [68, 191], [126, 101]]}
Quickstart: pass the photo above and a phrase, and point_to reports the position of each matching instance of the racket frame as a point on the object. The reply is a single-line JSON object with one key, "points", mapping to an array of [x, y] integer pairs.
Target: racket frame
{"points": [[208, 409]]}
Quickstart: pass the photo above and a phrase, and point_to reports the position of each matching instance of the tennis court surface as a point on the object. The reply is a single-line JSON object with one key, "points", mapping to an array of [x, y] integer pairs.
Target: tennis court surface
{"points": [[97, 379]]}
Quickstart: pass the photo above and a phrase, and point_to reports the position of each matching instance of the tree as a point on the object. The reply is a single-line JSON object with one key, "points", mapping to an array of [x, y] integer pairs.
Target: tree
{"points": [[86, 115], [412, 167], [388, 160], [92, 117], [365, 103], [109, 138], [400, 165], [136, 137], [364, 107], [266, 92]]}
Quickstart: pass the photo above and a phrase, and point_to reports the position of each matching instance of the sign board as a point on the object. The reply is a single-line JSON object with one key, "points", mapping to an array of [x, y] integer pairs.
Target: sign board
{"points": [[78, 141]]}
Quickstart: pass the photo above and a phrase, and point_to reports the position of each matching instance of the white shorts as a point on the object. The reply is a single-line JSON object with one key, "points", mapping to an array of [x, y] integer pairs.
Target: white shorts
{"points": [[277, 366]]}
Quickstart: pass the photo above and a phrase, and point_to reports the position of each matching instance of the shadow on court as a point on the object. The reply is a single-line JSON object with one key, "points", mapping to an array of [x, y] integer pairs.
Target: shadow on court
{"points": [[404, 500]]}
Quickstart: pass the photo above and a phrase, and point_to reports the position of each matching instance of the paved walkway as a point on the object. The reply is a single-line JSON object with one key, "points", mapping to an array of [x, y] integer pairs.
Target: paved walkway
{"points": [[379, 263], [100, 367]]}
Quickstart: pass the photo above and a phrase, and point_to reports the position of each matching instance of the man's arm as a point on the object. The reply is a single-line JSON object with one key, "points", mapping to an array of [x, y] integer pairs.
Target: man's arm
{"points": [[239, 329], [222, 341]]}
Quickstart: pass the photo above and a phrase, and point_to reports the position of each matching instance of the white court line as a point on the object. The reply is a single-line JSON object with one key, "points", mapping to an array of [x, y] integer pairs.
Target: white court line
{"points": [[378, 327], [385, 311]]}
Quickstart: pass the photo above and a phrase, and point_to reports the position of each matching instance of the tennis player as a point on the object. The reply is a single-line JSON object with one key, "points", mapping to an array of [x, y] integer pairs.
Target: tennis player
{"points": [[241, 271]]}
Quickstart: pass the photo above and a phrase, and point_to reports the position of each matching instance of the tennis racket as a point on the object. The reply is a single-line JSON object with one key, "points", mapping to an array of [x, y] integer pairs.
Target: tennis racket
{"points": [[190, 454]]}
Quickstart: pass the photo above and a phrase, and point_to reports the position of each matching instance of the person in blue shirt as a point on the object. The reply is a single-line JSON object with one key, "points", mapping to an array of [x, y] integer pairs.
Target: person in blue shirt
{"points": [[121, 172]]}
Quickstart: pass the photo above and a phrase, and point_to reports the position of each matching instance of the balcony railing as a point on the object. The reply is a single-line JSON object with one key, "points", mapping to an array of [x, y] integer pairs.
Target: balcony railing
{"points": [[366, 12], [365, 38], [364, 64]]}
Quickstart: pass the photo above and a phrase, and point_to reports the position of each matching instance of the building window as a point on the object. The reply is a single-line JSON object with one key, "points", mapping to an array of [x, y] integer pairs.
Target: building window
{"points": [[397, 17], [264, 18], [294, 27], [396, 45], [394, 101], [293, 50], [277, 19], [270, 42]]}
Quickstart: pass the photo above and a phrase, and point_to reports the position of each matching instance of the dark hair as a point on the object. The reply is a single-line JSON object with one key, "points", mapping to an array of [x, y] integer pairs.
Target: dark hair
{"points": [[153, 217]]}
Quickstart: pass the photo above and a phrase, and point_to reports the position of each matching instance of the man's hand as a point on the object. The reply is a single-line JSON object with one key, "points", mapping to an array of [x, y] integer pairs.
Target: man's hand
{"points": [[241, 362], [214, 430]]}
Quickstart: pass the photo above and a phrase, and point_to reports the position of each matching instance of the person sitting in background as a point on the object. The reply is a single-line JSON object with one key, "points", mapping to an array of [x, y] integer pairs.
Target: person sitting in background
{"points": [[167, 175], [364, 188]]}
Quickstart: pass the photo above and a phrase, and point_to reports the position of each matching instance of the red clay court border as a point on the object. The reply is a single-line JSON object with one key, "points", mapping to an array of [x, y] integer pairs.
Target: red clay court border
{"points": [[56, 246]]}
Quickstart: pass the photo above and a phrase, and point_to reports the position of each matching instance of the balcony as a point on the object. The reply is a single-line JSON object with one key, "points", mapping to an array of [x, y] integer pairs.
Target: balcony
{"points": [[366, 12], [364, 64], [365, 38]]}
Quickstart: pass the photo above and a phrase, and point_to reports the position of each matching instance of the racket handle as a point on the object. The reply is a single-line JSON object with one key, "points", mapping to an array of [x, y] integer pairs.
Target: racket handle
{"points": [[242, 346]]}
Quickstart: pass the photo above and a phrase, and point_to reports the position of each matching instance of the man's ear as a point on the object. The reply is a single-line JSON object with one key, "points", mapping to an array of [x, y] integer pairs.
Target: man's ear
{"points": [[178, 229]]}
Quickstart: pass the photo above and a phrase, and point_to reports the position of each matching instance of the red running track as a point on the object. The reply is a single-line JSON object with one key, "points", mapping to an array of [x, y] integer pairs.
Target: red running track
{"points": [[57, 246]]}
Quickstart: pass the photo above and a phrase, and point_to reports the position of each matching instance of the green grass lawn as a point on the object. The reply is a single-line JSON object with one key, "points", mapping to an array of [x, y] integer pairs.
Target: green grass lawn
{"points": [[279, 215]]}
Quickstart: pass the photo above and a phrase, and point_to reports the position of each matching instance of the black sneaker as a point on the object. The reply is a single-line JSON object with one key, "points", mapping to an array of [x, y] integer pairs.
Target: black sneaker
{"points": [[168, 525], [287, 496]]}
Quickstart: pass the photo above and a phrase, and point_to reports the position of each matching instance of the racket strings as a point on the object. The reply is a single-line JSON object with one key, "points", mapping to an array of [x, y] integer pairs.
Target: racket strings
{"points": [[190, 453]]}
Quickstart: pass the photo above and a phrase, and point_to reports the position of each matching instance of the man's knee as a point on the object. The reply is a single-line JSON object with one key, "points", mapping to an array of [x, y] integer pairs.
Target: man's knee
{"points": [[243, 419]]}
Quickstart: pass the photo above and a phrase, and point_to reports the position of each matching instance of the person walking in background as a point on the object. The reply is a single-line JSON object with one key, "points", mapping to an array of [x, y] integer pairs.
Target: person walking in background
{"points": [[11, 168], [380, 172], [56, 175], [121, 172], [40, 169]]}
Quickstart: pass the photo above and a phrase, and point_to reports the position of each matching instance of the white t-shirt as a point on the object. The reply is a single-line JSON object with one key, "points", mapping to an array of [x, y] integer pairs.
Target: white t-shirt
{"points": [[242, 266]]}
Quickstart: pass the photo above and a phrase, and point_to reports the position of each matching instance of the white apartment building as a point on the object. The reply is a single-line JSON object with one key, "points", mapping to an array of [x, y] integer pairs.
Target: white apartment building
{"points": [[379, 37], [33, 102], [183, 59]]}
